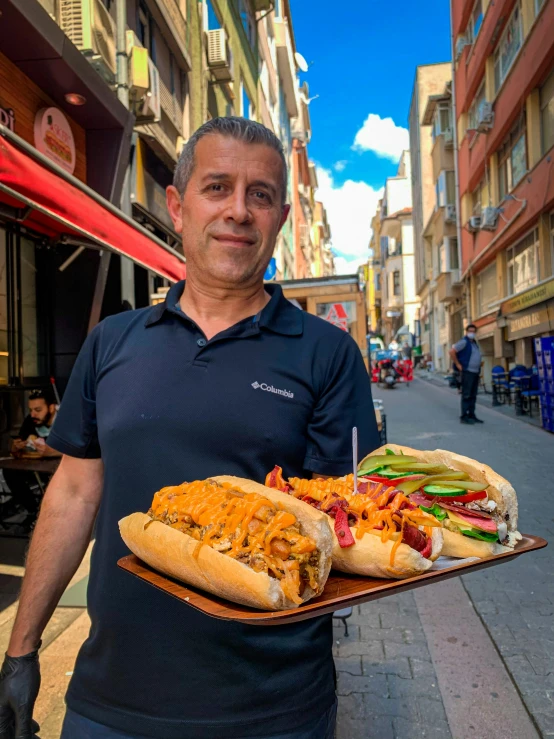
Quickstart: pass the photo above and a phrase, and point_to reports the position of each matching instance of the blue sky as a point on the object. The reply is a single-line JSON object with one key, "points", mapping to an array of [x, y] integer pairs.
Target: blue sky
{"points": [[362, 66]]}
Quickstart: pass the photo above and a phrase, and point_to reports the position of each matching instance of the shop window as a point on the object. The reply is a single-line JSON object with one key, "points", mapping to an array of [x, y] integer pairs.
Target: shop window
{"points": [[442, 119], [487, 289], [508, 47], [523, 263], [480, 98], [446, 189], [547, 113], [512, 158], [396, 282], [475, 22]]}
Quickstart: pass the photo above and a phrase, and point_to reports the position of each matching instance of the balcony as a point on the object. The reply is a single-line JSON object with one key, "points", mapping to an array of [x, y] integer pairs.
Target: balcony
{"points": [[440, 225], [447, 290], [286, 65]]}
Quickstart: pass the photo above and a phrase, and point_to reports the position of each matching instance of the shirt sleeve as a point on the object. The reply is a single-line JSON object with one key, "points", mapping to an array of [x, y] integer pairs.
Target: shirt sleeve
{"points": [[459, 345], [74, 431], [345, 402]]}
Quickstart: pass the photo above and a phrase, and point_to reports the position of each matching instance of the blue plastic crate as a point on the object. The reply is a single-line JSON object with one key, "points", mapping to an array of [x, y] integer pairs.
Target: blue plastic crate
{"points": [[546, 386], [548, 425]]}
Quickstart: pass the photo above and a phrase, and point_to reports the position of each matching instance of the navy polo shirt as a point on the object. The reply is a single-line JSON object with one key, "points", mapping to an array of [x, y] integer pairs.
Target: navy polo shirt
{"points": [[161, 405]]}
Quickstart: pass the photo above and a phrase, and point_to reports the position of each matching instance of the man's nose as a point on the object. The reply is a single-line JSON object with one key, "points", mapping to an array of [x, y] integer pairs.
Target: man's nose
{"points": [[238, 209]]}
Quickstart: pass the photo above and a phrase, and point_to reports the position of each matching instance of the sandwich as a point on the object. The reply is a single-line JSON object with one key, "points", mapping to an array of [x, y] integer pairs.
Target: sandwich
{"points": [[235, 539], [378, 531], [476, 506]]}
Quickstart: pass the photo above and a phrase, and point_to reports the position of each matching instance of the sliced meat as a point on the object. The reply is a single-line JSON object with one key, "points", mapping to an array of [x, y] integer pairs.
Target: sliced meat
{"points": [[415, 538]]}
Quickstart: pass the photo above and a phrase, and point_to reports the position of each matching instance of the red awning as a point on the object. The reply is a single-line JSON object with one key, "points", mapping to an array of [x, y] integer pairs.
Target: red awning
{"points": [[58, 205]]}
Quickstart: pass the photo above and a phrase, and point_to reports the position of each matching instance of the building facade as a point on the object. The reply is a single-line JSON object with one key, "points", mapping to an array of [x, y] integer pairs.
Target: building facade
{"points": [[399, 300], [504, 103], [434, 210]]}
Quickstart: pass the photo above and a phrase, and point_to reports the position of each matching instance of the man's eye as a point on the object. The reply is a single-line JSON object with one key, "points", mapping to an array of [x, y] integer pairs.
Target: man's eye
{"points": [[260, 195], [216, 187]]}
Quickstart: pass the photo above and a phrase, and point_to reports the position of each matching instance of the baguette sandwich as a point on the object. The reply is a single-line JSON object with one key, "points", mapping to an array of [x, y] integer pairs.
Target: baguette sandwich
{"points": [[477, 508], [378, 532], [235, 539]]}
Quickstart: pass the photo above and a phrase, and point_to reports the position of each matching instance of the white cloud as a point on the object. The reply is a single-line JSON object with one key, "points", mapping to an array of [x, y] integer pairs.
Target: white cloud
{"points": [[340, 166], [350, 208], [383, 137]]}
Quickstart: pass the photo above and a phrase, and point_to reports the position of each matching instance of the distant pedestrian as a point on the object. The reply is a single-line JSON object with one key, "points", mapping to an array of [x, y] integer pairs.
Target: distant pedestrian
{"points": [[406, 351], [394, 345], [466, 356]]}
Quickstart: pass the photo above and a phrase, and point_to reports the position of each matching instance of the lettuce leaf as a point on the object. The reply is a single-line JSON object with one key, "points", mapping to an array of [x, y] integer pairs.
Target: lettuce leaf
{"points": [[435, 511], [482, 535]]}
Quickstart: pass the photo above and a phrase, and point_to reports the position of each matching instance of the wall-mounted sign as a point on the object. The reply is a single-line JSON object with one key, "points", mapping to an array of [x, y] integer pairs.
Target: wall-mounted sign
{"points": [[54, 138], [529, 297], [7, 118]]}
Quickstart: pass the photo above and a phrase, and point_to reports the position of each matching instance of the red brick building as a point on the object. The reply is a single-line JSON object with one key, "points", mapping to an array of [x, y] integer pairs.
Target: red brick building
{"points": [[504, 108]]}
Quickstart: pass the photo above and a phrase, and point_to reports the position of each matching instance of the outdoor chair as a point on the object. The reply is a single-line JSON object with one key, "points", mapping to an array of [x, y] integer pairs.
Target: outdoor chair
{"points": [[500, 385], [529, 391], [342, 615]]}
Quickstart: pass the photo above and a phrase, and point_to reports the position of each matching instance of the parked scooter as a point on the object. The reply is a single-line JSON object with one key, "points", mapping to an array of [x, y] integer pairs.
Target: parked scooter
{"points": [[386, 372]]}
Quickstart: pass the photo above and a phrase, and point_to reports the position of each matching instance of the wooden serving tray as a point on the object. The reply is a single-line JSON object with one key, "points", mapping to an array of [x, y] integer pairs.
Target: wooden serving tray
{"points": [[341, 590]]}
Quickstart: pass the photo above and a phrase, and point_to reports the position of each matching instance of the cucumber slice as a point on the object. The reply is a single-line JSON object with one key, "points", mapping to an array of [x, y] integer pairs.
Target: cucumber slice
{"points": [[443, 490], [462, 485]]}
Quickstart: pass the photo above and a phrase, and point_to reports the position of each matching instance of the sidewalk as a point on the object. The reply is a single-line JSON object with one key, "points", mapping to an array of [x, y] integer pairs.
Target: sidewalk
{"points": [[485, 399]]}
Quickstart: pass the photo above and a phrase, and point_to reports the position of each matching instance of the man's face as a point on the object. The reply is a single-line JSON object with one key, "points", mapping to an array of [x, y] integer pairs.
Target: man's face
{"points": [[231, 212], [40, 411]]}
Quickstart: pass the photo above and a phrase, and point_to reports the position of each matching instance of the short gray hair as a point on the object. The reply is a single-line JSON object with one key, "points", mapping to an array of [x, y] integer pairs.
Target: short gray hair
{"points": [[241, 129]]}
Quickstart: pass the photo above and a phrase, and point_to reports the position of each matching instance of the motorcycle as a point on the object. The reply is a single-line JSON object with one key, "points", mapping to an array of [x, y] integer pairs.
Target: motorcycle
{"points": [[385, 370]]}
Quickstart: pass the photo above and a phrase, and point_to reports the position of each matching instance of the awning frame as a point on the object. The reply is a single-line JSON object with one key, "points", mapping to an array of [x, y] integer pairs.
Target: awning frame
{"points": [[30, 151]]}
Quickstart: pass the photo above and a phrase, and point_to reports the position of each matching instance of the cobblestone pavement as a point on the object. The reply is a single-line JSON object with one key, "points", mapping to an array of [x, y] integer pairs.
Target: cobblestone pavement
{"points": [[388, 683]]}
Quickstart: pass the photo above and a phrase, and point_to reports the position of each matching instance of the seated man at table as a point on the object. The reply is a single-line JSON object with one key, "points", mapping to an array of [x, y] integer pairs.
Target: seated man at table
{"points": [[36, 427]]}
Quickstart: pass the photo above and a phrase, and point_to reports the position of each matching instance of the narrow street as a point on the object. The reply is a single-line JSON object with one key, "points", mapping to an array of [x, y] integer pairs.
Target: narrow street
{"points": [[473, 657]]}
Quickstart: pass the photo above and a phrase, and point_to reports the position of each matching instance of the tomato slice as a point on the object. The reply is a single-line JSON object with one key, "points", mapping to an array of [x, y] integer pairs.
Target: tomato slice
{"points": [[391, 481], [458, 498]]}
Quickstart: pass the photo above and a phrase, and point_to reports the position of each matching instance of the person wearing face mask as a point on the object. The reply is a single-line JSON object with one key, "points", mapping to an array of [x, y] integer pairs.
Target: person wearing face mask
{"points": [[466, 356]]}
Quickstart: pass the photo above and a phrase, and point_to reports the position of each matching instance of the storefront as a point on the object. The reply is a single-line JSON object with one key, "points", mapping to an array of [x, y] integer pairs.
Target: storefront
{"points": [[64, 148], [525, 317]]}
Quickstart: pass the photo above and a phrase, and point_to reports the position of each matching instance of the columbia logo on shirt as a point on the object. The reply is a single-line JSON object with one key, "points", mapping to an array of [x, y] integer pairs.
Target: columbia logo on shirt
{"points": [[270, 389]]}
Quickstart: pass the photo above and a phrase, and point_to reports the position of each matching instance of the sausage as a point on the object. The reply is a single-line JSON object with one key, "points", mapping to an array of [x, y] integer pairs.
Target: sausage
{"points": [[280, 548]]}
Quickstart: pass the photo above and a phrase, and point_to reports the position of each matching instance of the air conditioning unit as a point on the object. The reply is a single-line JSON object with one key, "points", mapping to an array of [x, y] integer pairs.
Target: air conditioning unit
{"points": [[219, 58], [91, 28], [150, 109], [449, 138], [474, 224], [461, 43], [485, 117], [489, 218], [450, 214]]}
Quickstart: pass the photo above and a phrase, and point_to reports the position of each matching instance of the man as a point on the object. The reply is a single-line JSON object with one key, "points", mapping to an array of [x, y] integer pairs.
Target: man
{"points": [[466, 356], [406, 351], [42, 412], [394, 345], [175, 392]]}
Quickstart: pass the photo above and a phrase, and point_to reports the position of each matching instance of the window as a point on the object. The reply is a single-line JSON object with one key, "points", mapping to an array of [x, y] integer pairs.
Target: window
{"points": [[512, 158], [211, 21], [508, 47], [547, 113], [538, 6], [523, 263], [247, 109], [396, 282], [446, 189], [442, 259], [248, 22], [475, 22], [441, 121], [475, 106], [477, 198], [487, 289], [453, 250]]}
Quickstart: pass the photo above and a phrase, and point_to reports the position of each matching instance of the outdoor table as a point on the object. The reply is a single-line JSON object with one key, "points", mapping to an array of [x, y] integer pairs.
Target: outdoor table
{"points": [[37, 465]]}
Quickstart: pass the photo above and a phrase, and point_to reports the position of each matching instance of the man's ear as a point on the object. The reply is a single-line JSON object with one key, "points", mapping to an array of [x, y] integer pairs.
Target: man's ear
{"points": [[284, 216], [173, 200]]}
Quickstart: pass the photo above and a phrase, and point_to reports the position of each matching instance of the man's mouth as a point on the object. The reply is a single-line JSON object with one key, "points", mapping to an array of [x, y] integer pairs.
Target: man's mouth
{"points": [[234, 241]]}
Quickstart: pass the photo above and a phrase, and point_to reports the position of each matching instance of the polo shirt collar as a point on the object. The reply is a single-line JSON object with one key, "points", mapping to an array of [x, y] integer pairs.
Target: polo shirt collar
{"points": [[279, 315]]}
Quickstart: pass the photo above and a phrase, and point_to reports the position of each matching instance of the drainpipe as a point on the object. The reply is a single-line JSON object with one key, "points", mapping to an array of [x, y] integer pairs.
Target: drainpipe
{"points": [[122, 87], [455, 140]]}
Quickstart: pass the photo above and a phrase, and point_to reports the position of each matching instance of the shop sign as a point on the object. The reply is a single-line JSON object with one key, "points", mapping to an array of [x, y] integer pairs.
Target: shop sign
{"points": [[342, 315], [54, 138], [529, 323], [7, 118], [530, 297]]}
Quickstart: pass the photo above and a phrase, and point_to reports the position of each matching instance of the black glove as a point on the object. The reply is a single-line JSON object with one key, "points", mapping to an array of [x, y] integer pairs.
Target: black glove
{"points": [[19, 686]]}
